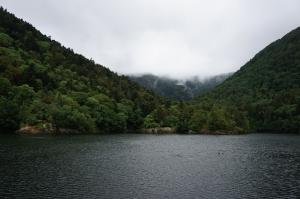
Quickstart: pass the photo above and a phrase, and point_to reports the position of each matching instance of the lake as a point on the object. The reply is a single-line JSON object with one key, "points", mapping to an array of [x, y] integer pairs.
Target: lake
{"points": [[150, 166]]}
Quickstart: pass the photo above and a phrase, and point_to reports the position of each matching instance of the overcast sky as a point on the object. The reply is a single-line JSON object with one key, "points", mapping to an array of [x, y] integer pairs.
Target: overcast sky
{"points": [[176, 38]]}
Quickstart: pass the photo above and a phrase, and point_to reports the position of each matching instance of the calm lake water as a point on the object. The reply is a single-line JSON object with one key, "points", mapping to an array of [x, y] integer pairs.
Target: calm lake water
{"points": [[150, 166]]}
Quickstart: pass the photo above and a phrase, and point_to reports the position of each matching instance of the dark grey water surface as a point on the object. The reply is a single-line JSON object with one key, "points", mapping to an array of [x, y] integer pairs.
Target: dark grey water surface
{"points": [[150, 166]]}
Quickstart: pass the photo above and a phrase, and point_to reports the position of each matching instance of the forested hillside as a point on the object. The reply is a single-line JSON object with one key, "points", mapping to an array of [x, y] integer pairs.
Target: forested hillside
{"points": [[179, 89], [268, 86], [44, 85], [42, 82]]}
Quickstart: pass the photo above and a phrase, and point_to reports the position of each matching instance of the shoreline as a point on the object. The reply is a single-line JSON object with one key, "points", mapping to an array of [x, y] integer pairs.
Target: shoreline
{"points": [[33, 130]]}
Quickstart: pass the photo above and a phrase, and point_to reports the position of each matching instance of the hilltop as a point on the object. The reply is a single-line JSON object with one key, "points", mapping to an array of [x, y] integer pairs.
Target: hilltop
{"points": [[177, 89], [268, 86]]}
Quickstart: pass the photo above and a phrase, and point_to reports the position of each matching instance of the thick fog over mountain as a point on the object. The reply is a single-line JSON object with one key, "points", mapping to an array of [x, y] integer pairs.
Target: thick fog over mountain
{"points": [[167, 38]]}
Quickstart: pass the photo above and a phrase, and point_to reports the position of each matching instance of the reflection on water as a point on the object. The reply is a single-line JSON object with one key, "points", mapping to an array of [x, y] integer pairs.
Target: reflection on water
{"points": [[149, 166]]}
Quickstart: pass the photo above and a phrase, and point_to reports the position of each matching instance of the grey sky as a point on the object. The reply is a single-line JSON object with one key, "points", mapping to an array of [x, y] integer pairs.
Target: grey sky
{"points": [[177, 38]]}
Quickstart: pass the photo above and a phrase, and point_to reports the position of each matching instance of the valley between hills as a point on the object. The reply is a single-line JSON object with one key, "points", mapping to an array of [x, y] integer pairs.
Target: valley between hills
{"points": [[47, 88]]}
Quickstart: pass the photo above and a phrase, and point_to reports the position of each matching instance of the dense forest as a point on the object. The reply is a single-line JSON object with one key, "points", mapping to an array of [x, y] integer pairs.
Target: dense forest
{"points": [[268, 87], [42, 82], [177, 89], [47, 86]]}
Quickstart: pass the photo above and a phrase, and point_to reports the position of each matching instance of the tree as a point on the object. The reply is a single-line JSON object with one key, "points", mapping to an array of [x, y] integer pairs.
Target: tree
{"points": [[170, 121], [198, 120], [5, 40], [23, 95], [37, 113], [149, 122], [218, 120], [5, 86], [184, 117], [9, 115], [72, 118]]}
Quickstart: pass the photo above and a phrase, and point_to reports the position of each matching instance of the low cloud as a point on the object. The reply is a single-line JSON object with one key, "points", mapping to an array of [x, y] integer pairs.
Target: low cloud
{"points": [[171, 37]]}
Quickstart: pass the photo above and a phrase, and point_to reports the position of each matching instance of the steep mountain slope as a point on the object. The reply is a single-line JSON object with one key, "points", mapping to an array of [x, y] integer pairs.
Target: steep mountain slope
{"points": [[268, 86], [42, 82], [179, 89], [45, 87]]}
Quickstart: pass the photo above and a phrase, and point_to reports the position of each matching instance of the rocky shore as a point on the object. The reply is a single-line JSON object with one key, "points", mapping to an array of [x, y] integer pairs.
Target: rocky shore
{"points": [[49, 129]]}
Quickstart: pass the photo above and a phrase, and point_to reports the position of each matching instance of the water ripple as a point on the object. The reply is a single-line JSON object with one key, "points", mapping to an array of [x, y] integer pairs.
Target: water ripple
{"points": [[146, 166]]}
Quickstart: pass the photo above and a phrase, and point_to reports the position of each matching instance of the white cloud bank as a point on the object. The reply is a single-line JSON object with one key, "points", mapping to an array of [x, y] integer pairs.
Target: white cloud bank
{"points": [[173, 38]]}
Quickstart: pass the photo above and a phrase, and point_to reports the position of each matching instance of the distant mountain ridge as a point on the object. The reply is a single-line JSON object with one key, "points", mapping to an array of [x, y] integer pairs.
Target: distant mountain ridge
{"points": [[179, 89], [45, 87]]}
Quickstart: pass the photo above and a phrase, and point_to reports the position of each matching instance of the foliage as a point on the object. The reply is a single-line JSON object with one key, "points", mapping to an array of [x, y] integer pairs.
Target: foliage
{"points": [[149, 122], [267, 87], [179, 89], [42, 82]]}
